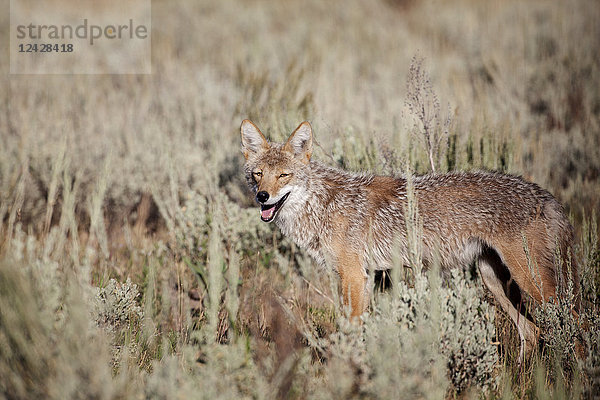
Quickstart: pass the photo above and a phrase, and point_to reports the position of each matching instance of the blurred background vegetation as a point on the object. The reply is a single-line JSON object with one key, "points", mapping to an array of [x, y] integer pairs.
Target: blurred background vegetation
{"points": [[133, 263]]}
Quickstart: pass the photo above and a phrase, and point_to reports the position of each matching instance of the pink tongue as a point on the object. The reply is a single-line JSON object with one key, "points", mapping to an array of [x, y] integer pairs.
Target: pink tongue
{"points": [[268, 213]]}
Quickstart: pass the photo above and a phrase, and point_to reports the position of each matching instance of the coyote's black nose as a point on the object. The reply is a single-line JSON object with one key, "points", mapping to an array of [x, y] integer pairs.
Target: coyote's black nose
{"points": [[262, 196]]}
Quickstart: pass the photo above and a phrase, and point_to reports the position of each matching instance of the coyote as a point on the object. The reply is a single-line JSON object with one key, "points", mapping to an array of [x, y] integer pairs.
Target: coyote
{"points": [[515, 231]]}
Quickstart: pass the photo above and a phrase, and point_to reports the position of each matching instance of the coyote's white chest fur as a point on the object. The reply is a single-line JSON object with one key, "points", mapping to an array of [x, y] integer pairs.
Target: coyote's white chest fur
{"points": [[352, 222]]}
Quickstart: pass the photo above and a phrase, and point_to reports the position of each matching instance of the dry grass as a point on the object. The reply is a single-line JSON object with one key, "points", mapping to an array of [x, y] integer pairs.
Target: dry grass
{"points": [[139, 177]]}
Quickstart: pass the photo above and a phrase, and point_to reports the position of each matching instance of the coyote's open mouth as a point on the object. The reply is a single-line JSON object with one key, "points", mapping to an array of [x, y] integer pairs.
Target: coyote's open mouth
{"points": [[268, 211]]}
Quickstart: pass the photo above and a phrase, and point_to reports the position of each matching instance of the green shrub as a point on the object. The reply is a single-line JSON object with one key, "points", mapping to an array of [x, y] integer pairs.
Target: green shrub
{"points": [[468, 334], [115, 309]]}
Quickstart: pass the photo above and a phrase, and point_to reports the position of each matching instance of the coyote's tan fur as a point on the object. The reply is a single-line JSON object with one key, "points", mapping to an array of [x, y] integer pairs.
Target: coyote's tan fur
{"points": [[354, 220]]}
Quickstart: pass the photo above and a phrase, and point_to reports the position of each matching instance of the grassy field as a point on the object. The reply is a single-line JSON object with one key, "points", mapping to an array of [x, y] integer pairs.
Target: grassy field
{"points": [[133, 263]]}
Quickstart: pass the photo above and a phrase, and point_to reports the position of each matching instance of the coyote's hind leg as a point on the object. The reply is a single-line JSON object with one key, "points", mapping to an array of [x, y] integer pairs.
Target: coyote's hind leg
{"points": [[496, 277]]}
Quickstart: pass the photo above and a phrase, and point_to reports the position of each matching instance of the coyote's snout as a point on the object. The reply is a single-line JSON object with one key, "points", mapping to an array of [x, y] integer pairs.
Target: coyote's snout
{"points": [[502, 222]]}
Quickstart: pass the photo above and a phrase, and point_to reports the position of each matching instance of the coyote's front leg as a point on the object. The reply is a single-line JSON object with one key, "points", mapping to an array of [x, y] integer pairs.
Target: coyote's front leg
{"points": [[354, 280]]}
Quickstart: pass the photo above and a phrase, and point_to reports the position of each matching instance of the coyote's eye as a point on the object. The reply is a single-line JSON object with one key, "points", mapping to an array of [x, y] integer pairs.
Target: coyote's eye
{"points": [[283, 175]]}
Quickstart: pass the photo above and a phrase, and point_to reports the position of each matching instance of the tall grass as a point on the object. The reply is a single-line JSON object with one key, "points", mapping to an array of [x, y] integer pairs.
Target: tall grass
{"points": [[132, 259]]}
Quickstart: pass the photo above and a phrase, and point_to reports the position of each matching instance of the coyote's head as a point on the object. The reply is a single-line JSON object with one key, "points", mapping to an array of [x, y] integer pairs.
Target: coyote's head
{"points": [[274, 170]]}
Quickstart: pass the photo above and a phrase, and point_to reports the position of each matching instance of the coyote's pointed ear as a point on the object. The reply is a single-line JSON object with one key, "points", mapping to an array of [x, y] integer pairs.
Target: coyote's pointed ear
{"points": [[300, 142], [252, 138]]}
